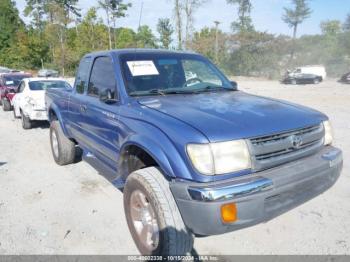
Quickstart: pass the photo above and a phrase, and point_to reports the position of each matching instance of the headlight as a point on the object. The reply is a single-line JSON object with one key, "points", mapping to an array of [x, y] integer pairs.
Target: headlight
{"points": [[220, 158], [328, 133]]}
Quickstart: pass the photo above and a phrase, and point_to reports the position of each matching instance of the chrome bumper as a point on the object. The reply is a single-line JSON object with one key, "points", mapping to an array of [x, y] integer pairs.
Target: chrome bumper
{"points": [[242, 188]]}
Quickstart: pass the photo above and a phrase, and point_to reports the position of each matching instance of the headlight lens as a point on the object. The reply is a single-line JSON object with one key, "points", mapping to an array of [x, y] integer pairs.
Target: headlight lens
{"points": [[328, 135], [202, 158], [220, 158]]}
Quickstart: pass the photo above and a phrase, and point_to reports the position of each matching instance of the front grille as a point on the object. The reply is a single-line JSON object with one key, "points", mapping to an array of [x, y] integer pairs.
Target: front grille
{"points": [[277, 149]]}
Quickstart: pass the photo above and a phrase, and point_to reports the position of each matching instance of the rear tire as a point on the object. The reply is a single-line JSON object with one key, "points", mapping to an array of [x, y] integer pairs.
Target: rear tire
{"points": [[293, 82], [317, 81], [63, 149], [173, 237], [26, 122], [6, 105]]}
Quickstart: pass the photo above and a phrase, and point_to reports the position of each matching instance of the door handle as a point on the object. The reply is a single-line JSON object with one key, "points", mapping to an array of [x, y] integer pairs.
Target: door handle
{"points": [[83, 108]]}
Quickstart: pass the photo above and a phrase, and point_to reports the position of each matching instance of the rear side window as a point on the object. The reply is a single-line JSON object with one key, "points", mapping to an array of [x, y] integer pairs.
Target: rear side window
{"points": [[82, 75], [21, 87], [102, 77]]}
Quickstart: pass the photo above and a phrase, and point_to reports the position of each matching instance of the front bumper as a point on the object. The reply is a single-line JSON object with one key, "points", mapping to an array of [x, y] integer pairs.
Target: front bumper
{"points": [[258, 197]]}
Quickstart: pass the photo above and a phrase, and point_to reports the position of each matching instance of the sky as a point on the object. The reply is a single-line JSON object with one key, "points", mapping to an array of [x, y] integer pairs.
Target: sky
{"points": [[266, 14]]}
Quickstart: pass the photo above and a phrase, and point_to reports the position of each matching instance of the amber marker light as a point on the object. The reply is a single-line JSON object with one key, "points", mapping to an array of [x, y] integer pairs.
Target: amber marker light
{"points": [[229, 213]]}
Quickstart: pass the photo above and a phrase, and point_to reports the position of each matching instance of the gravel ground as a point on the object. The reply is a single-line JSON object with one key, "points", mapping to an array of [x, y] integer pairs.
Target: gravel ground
{"points": [[47, 209]]}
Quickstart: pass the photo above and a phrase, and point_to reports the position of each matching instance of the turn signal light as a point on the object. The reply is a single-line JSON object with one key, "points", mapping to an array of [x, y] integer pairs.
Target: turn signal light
{"points": [[229, 213]]}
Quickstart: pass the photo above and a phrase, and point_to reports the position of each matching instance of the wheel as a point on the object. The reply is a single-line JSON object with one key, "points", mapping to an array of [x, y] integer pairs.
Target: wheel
{"points": [[293, 81], [6, 105], [316, 81], [63, 149], [153, 217], [26, 122]]}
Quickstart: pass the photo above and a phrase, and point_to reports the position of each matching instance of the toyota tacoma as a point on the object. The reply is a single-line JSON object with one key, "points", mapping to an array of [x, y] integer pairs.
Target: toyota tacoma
{"points": [[192, 154]]}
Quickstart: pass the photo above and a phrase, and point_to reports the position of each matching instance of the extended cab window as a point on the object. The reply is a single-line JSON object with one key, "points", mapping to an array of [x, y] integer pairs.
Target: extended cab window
{"points": [[82, 75], [102, 77]]}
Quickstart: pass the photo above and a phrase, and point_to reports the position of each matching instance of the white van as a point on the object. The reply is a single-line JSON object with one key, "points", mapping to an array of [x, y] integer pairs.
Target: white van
{"points": [[314, 70]]}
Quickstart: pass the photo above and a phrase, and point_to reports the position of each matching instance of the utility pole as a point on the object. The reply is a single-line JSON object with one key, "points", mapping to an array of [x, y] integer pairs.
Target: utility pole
{"points": [[217, 23]]}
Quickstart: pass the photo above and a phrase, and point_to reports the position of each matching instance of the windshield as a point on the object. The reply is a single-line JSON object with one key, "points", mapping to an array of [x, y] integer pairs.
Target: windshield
{"points": [[161, 74], [43, 85], [13, 80]]}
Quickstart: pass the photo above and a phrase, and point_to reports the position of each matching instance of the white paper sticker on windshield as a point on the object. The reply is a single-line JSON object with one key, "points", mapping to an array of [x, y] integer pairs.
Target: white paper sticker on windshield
{"points": [[8, 83], [142, 68]]}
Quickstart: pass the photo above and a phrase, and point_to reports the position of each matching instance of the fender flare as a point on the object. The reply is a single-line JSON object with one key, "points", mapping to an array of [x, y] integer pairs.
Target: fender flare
{"points": [[53, 108], [152, 148]]}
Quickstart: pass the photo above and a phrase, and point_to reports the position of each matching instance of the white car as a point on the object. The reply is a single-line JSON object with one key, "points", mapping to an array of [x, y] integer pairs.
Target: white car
{"points": [[313, 70], [29, 101]]}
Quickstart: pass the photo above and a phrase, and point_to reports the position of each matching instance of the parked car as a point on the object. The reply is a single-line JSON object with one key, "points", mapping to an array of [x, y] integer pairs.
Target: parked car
{"points": [[345, 78], [47, 73], [8, 85], [29, 101], [302, 79], [192, 157], [319, 71]]}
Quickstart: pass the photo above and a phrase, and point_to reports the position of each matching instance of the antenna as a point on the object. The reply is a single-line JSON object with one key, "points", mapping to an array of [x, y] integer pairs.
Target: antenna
{"points": [[140, 15]]}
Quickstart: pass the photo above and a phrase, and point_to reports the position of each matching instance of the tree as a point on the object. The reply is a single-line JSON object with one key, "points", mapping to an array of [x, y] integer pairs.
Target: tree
{"points": [[145, 38], [178, 20], [36, 9], [114, 9], [346, 25], [165, 30], [93, 34], [296, 16], [190, 7], [126, 38], [331, 27], [244, 23], [10, 23]]}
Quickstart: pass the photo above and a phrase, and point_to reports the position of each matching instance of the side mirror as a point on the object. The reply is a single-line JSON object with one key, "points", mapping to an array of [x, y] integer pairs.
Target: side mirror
{"points": [[107, 96], [234, 85]]}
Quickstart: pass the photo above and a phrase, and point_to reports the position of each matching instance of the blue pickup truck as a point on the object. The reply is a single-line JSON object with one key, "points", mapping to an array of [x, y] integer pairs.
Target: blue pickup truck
{"points": [[193, 155]]}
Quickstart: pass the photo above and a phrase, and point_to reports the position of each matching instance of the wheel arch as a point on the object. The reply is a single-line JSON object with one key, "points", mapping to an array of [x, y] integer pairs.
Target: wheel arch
{"points": [[54, 114], [155, 156]]}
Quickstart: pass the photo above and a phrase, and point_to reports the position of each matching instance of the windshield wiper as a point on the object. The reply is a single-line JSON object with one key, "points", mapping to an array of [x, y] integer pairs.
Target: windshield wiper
{"points": [[162, 92], [210, 88]]}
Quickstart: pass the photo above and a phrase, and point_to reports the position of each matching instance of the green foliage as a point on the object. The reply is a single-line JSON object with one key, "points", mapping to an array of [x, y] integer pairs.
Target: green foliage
{"points": [[346, 25], [10, 23], [295, 16], [244, 23], [165, 30], [126, 38], [331, 27], [58, 39], [145, 38]]}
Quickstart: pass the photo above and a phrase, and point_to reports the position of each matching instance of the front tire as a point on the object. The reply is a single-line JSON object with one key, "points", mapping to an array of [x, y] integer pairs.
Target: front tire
{"points": [[6, 105], [153, 217], [26, 122], [63, 149], [317, 81]]}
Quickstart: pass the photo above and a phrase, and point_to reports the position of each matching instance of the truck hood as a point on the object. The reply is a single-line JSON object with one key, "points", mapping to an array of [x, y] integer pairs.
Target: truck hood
{"points": [[226, 116]]}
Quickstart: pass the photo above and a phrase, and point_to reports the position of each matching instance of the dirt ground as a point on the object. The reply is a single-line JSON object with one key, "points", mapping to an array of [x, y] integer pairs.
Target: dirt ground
{"points": [[47, 209]]}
